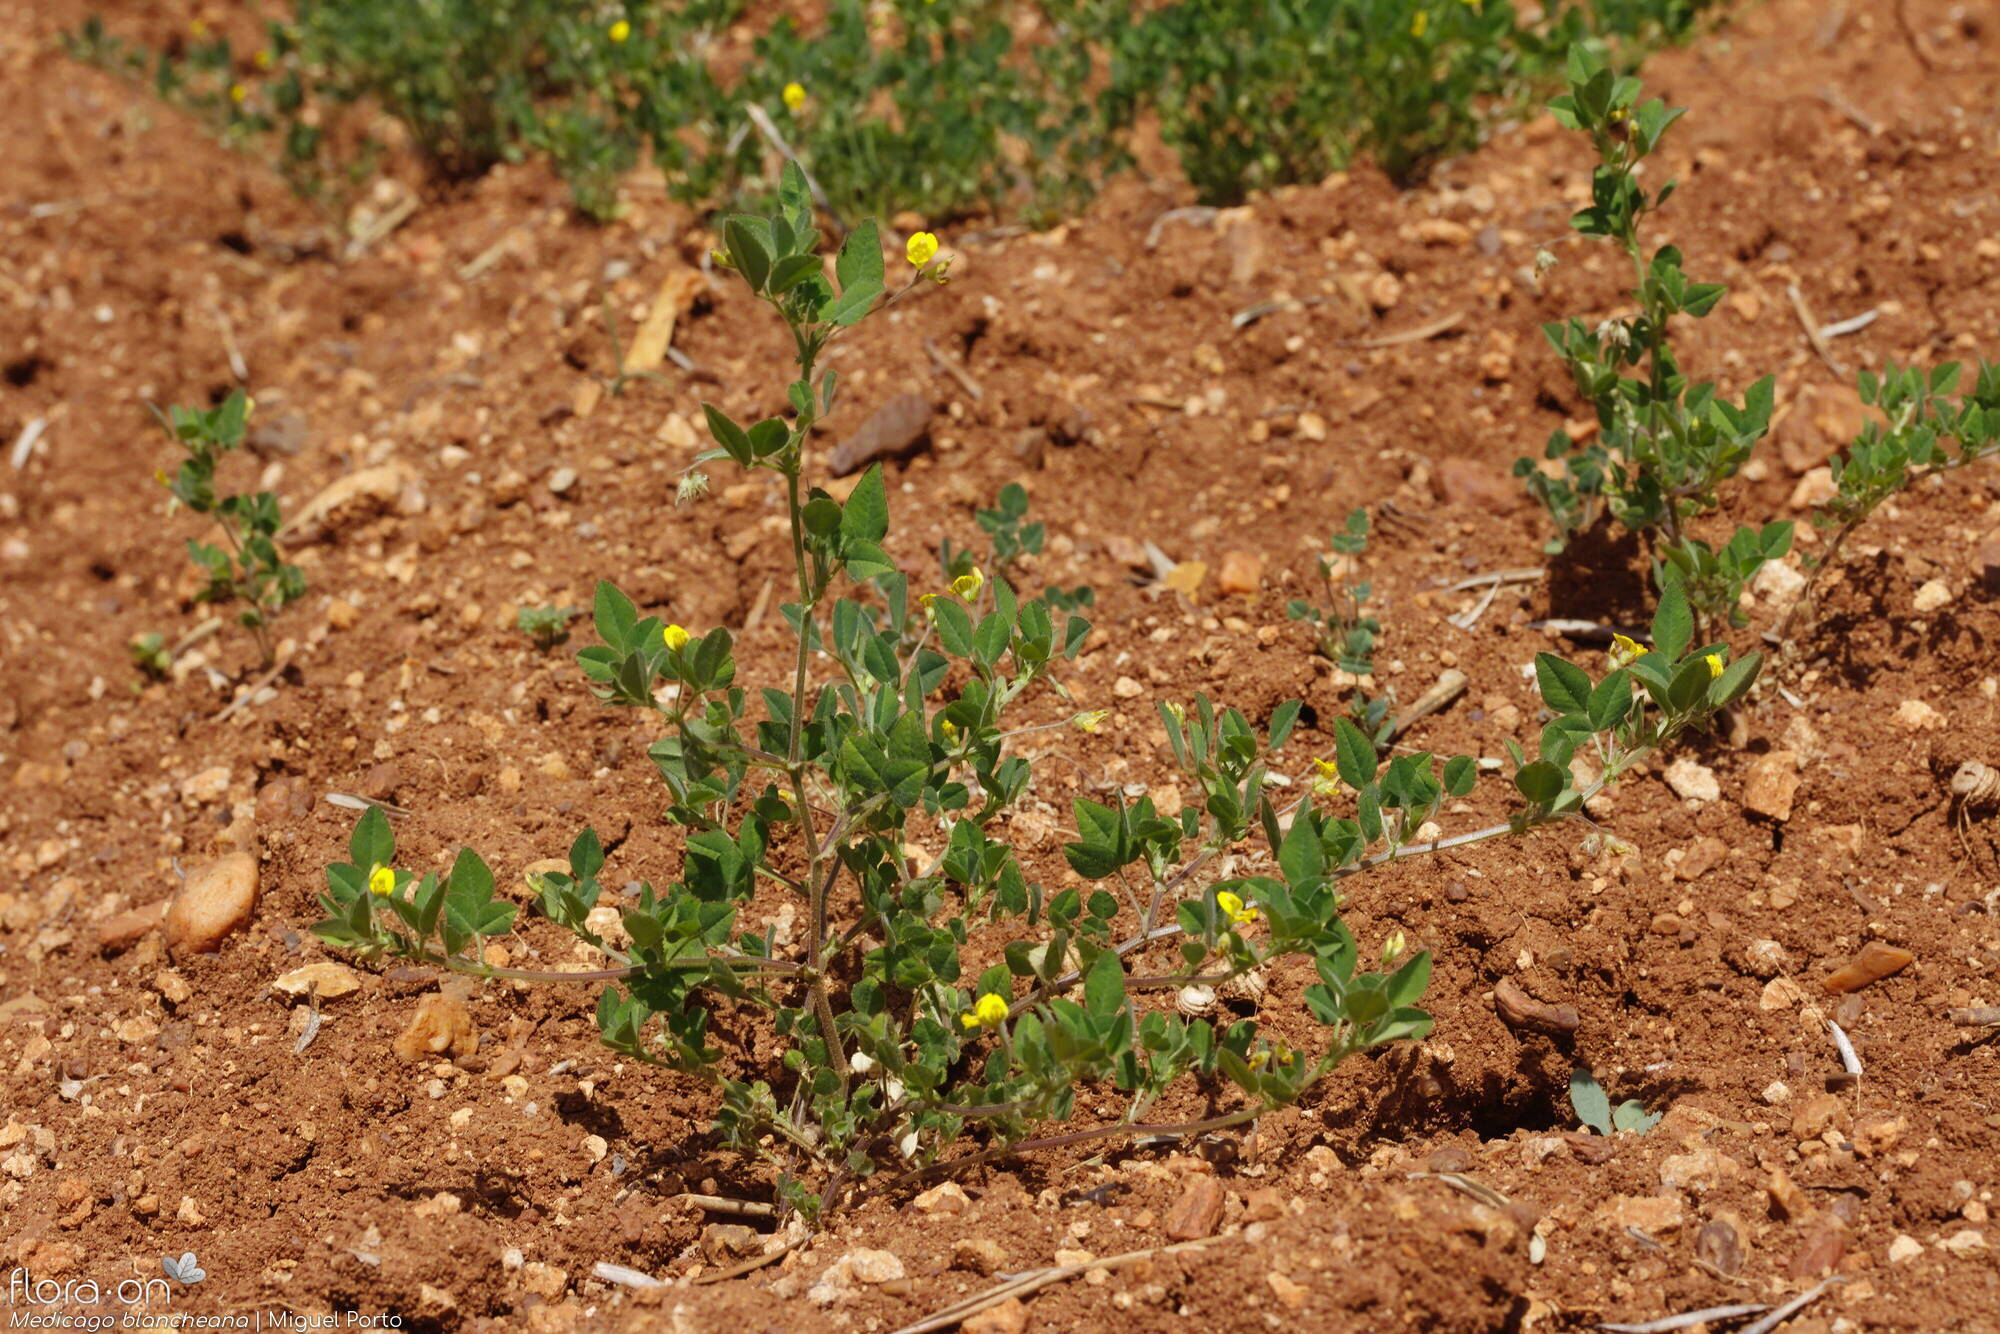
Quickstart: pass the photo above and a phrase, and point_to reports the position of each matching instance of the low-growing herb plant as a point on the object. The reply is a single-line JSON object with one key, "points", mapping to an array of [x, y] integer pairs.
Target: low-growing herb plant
{"points": [[935, 991], [151, 655], [247, 568], [1010, 537], [1593, 1106], [1663, 445], [547, 626], [1343, 632], [1925, 434]]}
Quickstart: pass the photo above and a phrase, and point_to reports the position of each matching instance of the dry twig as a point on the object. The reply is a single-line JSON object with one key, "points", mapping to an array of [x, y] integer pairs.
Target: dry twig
{"points": [[1037, 1279], [951, 367], [1666, 1324], [1812, 329], [1417, 335]]}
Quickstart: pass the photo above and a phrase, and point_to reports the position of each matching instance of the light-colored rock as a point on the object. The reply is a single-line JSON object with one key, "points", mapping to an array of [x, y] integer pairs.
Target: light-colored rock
{"points": [[872, 1266], [1814, 488], [369, 488], [949, 1198], [1904, 1249], [1965, 1243], [173, 988], [1652, 1214], [979, 1255], [210, 904], [1933, 594], [1776, 1092], [1292, 1296], [441, 1026], [324, 979], [1698, 1171], [1009, 1317], [210, 785], [1780, 993], [544, 1280], [1693, 782], [1241, 572], [1778, 584], [1770, 783], [1918, 716]]}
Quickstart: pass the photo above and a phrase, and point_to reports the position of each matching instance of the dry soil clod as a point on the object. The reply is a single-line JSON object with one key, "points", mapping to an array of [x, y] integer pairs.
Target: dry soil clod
{"points": [[1519, 1010]]}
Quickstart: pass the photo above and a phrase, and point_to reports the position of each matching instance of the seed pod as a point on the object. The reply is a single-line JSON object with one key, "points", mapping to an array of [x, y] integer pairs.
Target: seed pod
{"points": [[1195, 1002]]}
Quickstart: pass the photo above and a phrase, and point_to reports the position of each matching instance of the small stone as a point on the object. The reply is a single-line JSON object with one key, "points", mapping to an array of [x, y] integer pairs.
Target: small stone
{"points": [[896, 428], [435, 1303], [545, 1280], [1197, 1211], [1289, 1294], [1964, 1243], [1785, 1195], [553, 766], [341, 615], [1698, 1171], [509, 779], [173, 988], [595, 1147], [1009, 1317], [325, 980], [1917, 716], [869, 1266], [1665, 924], [1652, 1214], [1814, 488], [979, 1255], [441, 1026], [1241, 572], [1875, 1135], [441, 1205], [1475, 484], [1904, 1249], [1935, 593], [1720, 1245], [1770, 784], [1875, 962], [1268, 1202], [210, 785], [1778, 583], [1764, 958], [1821, 1254], [1776, 1092], [1816, 1115], [562, 481], [1702, 856], [1693, 782], [949, 1198], [189, 1213], [1186, 578], [1127, 688], [210, 904]]}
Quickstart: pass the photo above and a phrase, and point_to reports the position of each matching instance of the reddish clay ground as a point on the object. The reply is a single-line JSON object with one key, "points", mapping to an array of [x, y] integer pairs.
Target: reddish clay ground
{"points": [[155, 1106]]}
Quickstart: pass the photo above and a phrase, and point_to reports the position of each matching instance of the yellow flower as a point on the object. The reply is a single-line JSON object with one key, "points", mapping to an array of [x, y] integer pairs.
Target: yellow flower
{"points": [[675, 637], [249, 406], [1392, 947], [921, 248], [948, 730], [1624, 649], [381, 882], [1326, 779], [262, 60], [198, 28], [620, 30], [237, 92], [1089, 722], [160, 476], [1177, 712], [990, 1012], [795, 96], [1419, 23], [1714, 661], [967, 586], [1234, 909]]}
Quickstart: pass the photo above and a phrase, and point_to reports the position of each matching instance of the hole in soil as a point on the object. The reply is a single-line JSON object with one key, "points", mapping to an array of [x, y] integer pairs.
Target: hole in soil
{"points": [[22, 373], [102, 571], [234, 240]]}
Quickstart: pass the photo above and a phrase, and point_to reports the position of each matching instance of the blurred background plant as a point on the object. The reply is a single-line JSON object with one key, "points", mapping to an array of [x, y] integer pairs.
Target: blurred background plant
{"points": [[1017, 109]]}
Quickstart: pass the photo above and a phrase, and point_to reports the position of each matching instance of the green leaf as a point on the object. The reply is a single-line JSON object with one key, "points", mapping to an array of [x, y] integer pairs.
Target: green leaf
{"points": [[1565, 686], [1673, 623], [747, 252], [1104, 987], [954, 626], [615, 616], [860, 260], [1283, 719], [851, 305], [1540, 782], [372, 843], [1586, 1095], [866, 516], [1610, 701], [1632, 1115], [1735, 679], [1460, 775], [733, 439], [1354, 754], [1406, 986]]}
